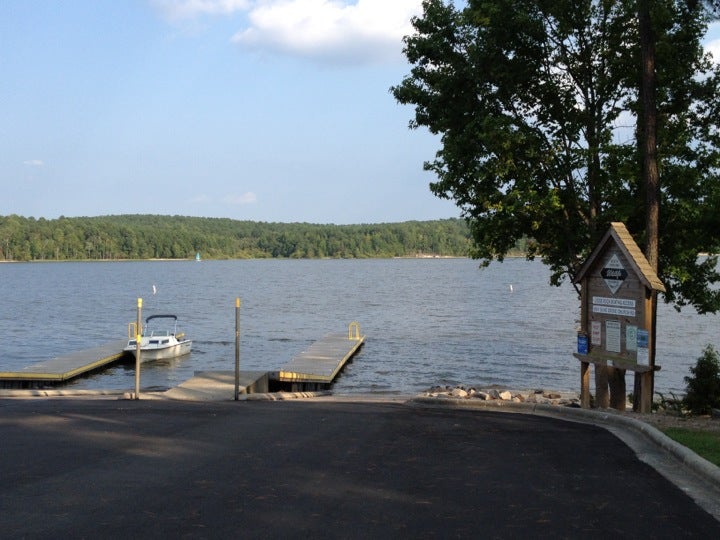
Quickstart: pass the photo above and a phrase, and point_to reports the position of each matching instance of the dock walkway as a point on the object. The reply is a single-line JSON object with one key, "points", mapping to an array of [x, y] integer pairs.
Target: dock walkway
{"points": [[313, 369], [318, 366], [63, 368]]}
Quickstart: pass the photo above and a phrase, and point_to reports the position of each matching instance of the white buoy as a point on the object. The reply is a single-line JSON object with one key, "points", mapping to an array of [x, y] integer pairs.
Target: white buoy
{"points": [[511, 288], [155, 289]]}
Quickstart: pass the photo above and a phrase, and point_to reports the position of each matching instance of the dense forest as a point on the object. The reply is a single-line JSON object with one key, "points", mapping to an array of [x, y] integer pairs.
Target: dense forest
{"points": [[177, 237]]}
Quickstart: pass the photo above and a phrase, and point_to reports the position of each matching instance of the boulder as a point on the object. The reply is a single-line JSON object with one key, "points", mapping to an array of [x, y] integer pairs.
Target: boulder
{"points": [[459, 393]]}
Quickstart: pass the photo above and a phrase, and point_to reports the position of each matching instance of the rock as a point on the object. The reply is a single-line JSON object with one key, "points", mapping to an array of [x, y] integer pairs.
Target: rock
{"points": [[715, 414], [544, 397], [459, 393], [574, 404]]}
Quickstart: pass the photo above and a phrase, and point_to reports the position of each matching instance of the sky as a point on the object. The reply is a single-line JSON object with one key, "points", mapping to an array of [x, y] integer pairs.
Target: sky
{"points": [[262, 110]]}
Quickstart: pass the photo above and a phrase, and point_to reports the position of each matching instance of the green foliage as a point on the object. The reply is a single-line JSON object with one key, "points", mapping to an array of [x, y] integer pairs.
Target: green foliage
{"points": [[535, 103], [703, 387], [177, 237]]}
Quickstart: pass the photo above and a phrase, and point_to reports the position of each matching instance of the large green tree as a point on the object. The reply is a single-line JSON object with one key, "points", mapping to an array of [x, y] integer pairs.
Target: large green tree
{"points": [[536, 103]]}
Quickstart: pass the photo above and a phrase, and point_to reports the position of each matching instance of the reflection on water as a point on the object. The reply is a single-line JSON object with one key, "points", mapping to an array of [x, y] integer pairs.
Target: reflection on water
{"points": [[427, 321]]}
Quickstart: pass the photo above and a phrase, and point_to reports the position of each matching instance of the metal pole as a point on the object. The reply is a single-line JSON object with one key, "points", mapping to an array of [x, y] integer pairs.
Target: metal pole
{"points": [[138, 339], [237, 349]]}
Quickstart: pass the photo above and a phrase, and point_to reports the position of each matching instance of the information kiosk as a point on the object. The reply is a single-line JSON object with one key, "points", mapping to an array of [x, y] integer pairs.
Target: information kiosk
{"points": [[617, 327]]}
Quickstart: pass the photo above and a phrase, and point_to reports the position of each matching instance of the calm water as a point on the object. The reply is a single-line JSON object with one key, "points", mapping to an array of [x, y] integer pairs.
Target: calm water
{"points": [[427, 321]]}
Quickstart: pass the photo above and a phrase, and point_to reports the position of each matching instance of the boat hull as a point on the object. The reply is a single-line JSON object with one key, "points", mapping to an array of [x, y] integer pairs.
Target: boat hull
{"points": [[149, 353]]}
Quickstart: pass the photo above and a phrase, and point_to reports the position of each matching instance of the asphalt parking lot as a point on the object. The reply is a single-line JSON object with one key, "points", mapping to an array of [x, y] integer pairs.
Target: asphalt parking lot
{"points": [[101, 468]]}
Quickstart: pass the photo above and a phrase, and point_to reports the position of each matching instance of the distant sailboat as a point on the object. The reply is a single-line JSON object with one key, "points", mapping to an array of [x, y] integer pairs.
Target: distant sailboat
{"points": [[197, 257]]}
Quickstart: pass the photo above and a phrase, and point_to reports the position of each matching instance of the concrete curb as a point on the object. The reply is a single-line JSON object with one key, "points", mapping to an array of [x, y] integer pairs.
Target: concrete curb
{"points": [[178, 393], [281, 396], [604, 417], [56, 392], [198, 396]]}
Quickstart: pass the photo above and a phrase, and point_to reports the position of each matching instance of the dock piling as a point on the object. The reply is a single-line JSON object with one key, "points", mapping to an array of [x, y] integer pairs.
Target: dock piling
{"points": [[138, 341], [237, 349]]}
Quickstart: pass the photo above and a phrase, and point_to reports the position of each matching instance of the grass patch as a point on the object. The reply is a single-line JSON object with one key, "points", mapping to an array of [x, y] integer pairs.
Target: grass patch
{"points": [[703, 443]]}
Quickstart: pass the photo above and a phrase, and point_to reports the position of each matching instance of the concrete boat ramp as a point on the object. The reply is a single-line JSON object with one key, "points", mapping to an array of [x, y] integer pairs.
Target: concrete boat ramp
{"points": [[312, 370]]}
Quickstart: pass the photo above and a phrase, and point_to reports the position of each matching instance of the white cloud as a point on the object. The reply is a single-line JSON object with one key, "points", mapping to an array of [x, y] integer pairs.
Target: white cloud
{"points": [[339, 31], [34, 163], [361, 32], [188, 9], [240, 200]]}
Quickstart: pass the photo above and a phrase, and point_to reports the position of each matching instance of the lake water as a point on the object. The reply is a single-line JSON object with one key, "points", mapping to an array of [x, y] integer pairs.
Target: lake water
{"points": [[426, 321]]}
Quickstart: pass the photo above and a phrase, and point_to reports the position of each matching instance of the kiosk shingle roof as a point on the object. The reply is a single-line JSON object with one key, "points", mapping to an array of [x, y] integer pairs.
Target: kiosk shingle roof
{"points": [[622, 237]]}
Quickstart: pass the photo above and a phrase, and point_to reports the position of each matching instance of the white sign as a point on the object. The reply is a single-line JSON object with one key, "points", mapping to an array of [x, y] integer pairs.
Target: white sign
{"points": [[596, 335], [631, 338], [616, 302], [612, 336], [614, 311], [614, 273], [624, 307]]}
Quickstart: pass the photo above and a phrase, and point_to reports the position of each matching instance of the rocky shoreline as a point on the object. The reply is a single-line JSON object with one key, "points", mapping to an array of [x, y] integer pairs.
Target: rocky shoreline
{"points": [[660, 419], [546, 397]]}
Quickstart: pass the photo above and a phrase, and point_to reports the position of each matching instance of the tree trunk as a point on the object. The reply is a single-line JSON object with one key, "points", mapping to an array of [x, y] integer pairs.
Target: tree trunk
{"points": [[648, 146]]}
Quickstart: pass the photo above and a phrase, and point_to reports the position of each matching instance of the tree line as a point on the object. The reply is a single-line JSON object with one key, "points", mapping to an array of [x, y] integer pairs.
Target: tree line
{"points": [[179, 237]]}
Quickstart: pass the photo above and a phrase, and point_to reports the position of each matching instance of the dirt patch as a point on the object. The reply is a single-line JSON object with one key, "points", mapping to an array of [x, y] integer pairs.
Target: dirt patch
{"points": [[662, 420]]}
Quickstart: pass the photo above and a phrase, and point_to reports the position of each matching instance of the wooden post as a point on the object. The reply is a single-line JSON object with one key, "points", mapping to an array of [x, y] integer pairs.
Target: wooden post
{"points": [[138, 340], [585, 385], [650, 383], [602, 396], [618, 390], [646, 394], [237, 349]]}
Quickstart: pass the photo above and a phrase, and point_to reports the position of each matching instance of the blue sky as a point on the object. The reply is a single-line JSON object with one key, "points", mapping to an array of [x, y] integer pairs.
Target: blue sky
{"points": [[267, 110]]}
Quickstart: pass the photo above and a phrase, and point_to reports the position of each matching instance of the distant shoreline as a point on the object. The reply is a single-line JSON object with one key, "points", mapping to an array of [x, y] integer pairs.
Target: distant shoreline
{"points": [[421, 257]]}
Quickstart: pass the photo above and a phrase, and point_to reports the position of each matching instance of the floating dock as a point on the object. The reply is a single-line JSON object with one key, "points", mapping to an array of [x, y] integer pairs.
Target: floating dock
{"points": [[317, 367], [63, 368], [313, 369]]}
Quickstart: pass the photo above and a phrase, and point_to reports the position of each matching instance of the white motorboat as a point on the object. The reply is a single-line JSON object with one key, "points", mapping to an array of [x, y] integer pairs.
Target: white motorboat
{"points": [[158, 342]]}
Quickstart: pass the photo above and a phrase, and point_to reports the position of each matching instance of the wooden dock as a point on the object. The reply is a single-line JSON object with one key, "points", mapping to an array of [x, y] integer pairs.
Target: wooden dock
{"points": [[318, 366], [63, 368]]}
